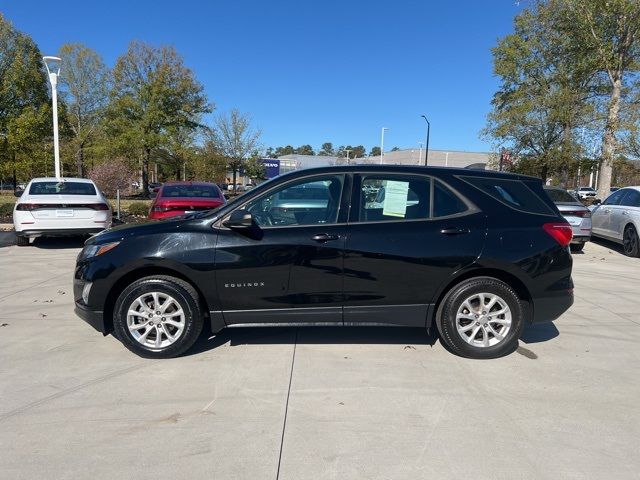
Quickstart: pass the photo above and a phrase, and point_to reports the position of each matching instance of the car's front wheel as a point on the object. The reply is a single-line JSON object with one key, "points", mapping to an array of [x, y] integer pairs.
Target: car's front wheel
{"points": [[576, 247], [482, 317], [158, 317], [22, 241]]}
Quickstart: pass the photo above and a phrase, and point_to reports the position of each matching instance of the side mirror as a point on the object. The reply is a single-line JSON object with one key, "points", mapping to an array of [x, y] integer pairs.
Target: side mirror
{"points": [[18, 193], [239, 219]]}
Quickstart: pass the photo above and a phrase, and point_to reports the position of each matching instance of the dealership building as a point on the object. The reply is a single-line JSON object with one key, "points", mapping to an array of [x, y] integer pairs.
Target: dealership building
{"points": [[439, 158]]}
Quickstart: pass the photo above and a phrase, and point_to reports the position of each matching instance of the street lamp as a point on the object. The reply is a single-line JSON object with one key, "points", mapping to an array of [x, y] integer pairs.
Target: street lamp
{"points": [[54, 72], [382, 144], [426, 152]]}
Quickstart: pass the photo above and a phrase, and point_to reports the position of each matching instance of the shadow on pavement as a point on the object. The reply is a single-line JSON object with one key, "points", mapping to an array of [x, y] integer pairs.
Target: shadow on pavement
{"points": [[58, 243], [539, 332], [616, 247], [315, 335]]}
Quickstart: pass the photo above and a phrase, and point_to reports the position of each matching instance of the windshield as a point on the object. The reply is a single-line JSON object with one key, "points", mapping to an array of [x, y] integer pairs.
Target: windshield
{"points": [[558, 195], [62, 188]]}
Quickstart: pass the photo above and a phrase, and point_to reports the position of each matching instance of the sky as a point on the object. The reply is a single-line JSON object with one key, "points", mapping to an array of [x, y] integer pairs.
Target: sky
{"points": [[310, 71]]}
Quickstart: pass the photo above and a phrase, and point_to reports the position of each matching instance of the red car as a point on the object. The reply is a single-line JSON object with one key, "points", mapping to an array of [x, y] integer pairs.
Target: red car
{"points": [[178, 198]]}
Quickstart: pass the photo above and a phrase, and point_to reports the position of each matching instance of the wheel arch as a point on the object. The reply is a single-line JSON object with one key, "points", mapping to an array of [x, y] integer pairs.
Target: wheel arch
{"points": [[137, 274], [510, 279]]}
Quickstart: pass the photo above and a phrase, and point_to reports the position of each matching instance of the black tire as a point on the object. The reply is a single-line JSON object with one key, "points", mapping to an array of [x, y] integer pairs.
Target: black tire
{"points": [[186, 297], [453, 301], [576, 247], [630, 244], [22, 241]]}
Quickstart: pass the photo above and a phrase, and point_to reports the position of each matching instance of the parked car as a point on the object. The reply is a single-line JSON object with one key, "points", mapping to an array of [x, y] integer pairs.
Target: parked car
{"points": [[574, 212], [618, 219], [586, 192], [179, 198], [60, 207], [613, 189], [480, 254]]}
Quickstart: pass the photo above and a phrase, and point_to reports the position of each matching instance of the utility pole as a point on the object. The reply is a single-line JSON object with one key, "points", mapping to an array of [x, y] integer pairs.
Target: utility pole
{"points": [[426, 152], [53, 79], [382, 144]]}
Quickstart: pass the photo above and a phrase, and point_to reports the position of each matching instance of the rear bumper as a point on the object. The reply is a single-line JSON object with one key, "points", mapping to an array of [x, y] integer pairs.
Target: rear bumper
{"points": [[547, 309], [59, 232], [92, 317]]}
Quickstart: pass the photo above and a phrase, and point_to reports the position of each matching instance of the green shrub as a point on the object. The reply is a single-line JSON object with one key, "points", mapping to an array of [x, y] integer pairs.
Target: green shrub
{"points": [[140, 209], [6, 209]]}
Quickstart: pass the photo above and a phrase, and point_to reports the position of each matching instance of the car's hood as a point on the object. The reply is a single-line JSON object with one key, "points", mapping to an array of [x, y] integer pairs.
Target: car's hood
{"points": [[121, 232]]}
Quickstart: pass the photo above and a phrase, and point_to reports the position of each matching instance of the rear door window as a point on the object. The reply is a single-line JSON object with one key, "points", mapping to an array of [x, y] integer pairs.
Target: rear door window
{"points": [[445, 202], [513, 193], [394, 197]]}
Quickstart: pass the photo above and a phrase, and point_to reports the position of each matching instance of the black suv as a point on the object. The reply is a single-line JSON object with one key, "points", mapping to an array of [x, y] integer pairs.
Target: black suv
{"points": [[476, 253]]}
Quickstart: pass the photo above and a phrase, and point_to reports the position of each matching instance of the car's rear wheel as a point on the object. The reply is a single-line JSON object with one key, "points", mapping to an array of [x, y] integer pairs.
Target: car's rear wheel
{"points": [[576, 247], [22, 241], [158, 317], [481, 317], [630, 244]]}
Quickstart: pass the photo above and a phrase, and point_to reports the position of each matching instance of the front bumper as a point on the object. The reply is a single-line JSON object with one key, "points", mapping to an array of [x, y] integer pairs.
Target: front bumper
{"points": [[92, 317]]}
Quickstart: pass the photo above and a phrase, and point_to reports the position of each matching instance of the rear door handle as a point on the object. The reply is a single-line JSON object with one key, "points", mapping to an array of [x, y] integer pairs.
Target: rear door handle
{"points": [[454, 231], [324, 237], [625, 212]]}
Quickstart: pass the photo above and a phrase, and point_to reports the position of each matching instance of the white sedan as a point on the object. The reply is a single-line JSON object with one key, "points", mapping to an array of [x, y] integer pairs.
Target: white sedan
{"points": [[65, 207], [618, 219]]}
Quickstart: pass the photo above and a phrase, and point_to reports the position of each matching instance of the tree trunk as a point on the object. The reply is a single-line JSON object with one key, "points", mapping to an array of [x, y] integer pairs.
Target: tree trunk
{"points": [[80, 161], [145, 173], [609, 139], [544, 171], [234, 179]]}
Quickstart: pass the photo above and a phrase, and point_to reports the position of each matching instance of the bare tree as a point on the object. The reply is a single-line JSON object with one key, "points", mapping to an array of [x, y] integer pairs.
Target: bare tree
{"points": [[234, 138], [84, 87]]}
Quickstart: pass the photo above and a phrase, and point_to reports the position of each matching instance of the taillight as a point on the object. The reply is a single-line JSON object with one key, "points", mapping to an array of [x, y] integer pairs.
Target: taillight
{"points": [[161, 209], [97, 206], [560, 231], [577, 213], [27, 206]]}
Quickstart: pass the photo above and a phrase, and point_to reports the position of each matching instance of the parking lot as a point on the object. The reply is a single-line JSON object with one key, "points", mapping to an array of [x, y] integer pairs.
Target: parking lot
{"points": [[318, 403]]}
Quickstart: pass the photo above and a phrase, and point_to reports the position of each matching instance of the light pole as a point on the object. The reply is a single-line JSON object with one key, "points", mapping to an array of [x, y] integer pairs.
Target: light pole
{"points": [[382, 144], [420, 156], [53, 78], [426, 150]]}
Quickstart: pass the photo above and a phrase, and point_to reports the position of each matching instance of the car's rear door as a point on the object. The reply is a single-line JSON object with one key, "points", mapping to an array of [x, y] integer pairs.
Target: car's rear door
{"points": [[289, 268], [621, 216], [402, 245]]}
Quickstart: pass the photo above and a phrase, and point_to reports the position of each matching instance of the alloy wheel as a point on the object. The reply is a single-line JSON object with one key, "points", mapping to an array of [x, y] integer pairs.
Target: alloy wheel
{"points": [[483, 320], [155, 320], [629, 241]]}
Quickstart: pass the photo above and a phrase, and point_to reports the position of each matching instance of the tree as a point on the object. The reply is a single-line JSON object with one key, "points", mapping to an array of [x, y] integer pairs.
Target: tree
{"points": [[326, 150], [395, 149], [305, 150], [544, 95], [234, 138], [374, 152], [609, 32], [280, 151], [25, 104], [84, 88], [154, 94], [358, 151], [113, 176]]}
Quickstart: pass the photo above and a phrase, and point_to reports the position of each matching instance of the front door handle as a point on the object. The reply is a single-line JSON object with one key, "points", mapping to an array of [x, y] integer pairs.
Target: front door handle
{"points": [[324, 237], [625, 212], [454, 231]]}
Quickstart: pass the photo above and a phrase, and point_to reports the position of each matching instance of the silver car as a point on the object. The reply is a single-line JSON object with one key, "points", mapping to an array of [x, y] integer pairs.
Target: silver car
{"points": [[618, 219], [574, 212]]}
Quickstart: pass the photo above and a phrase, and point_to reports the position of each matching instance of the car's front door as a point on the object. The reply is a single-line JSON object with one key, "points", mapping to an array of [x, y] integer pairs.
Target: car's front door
{"points": [[288, 267], [407, 235], [621, 216]]}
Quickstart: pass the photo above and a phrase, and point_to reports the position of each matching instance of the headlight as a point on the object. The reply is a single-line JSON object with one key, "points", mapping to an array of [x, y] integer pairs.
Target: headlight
{"points": [[95, 250]]}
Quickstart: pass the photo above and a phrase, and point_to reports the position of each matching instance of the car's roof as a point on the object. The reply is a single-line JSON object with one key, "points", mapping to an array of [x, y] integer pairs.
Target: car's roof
{"points": [[63, 179], [634, 187], [428, 170]]}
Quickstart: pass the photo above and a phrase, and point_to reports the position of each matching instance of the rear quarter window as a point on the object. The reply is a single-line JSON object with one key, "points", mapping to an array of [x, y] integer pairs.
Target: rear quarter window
{"points": [[513, 193]]}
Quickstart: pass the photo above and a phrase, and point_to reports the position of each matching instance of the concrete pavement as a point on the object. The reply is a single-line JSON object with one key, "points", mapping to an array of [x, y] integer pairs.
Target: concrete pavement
{"points": [[317, 403]]}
